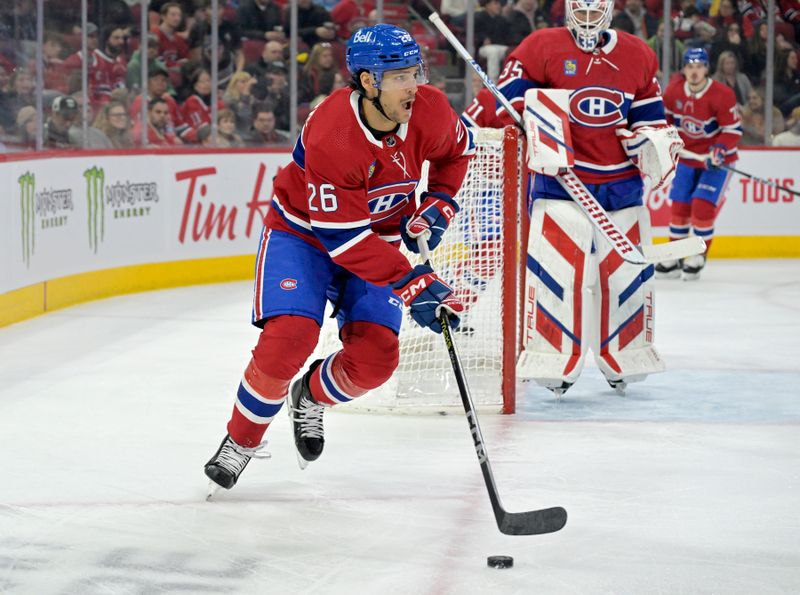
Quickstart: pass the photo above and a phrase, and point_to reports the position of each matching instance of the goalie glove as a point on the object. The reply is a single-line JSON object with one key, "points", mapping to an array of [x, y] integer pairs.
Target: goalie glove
{"points": [[653, 150], [434, 214], [426, 294], [716, 156]]}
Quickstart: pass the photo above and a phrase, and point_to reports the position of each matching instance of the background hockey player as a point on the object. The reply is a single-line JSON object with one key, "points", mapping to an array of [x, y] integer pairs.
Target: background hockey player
{"points": [[579, 291], [707, 118], [333, 233]]}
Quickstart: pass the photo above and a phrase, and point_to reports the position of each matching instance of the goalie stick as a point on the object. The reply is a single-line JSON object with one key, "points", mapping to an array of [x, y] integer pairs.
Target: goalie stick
{"points": [[699, 157], [532, 522], [598, 216]]}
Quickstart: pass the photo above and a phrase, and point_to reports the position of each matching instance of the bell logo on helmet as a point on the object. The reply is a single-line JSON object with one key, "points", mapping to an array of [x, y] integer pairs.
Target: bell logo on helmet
{"points": [[363, 36]]}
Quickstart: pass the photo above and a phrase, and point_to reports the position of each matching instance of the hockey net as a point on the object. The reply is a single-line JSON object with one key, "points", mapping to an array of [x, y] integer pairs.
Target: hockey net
{"points": [[481, 257]]}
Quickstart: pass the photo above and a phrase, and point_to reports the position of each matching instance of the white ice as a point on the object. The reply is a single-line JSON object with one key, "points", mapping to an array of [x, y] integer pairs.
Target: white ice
{"points": [[687, 485]]}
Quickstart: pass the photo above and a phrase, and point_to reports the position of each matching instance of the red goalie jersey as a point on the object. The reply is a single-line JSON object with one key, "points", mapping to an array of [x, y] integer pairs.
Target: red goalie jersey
{"points": [[345, 192], [613, 87]]}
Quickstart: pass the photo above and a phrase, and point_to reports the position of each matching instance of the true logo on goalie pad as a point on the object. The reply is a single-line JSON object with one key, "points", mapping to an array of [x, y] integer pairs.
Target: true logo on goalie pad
{"points": [[597, 107]]}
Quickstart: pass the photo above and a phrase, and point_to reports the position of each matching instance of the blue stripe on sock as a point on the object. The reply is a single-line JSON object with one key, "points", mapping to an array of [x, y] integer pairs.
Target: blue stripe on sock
{"points": [[255, 406]]}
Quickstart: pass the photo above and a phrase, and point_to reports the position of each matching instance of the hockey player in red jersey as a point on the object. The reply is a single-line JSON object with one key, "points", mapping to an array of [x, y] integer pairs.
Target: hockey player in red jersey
{"points": [[339, 212], [707, 118], [580, 294]]}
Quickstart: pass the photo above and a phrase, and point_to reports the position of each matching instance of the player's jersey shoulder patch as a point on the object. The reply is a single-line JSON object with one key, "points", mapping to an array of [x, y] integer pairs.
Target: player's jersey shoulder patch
{"points": [[570, 67]]}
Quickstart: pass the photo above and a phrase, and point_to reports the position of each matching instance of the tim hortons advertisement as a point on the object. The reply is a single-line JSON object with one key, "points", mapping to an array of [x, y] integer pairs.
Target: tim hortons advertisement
{"points": [[69, 215]]}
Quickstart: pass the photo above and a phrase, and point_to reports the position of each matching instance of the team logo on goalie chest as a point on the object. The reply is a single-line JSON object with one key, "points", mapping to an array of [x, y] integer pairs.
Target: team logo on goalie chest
{"points": [[597, 107]]}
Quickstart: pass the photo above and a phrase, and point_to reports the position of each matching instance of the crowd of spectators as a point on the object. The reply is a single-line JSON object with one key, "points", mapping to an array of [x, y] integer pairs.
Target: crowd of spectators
{"points": [[252, 61]]}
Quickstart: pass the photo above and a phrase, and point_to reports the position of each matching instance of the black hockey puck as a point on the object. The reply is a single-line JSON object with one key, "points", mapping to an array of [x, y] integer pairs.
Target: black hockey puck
{"points": [[500, 561]]}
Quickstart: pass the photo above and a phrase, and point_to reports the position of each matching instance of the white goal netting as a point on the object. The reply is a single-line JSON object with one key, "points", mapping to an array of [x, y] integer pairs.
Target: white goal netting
{"points": [[471, 258]]}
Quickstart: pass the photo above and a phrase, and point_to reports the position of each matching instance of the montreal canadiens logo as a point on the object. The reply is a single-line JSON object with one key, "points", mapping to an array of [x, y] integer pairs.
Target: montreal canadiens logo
{"points": [[597, 107], [289, 284], [390, 199], [692, 127]]}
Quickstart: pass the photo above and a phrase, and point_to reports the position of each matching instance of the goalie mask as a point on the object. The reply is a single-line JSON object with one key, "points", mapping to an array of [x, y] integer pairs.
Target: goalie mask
{"points": [[587, 20]]}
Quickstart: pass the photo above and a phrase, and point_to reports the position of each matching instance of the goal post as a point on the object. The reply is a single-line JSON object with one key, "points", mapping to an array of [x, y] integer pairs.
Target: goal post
{"points": [[482, 256]]}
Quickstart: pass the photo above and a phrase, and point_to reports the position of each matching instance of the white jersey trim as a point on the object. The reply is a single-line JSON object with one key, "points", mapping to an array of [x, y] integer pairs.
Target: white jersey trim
{"points": [[293, 218], [349, 244], [642, 102], [689, 92], [609, 46], [612, 167], [340, 225]]}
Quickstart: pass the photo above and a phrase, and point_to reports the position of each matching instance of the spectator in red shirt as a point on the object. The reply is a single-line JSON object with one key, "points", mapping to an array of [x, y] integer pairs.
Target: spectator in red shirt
{"points": [[196, 110], [55, 75], [158, 134], [157, 87], [173, 49], [346, 10]]}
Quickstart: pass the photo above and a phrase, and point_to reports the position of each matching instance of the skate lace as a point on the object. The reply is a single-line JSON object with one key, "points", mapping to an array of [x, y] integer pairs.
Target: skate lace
{"points": [[234, 457], [309, 415]]}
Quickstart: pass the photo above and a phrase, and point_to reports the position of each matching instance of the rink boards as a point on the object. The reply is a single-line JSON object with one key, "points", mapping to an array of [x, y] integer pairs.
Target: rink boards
{"points": [[80, 226]]}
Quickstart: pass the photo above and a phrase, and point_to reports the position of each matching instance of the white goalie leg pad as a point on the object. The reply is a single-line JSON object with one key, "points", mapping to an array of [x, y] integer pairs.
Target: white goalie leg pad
{"points": [[558, 261], [546, 119], [625, 306]]}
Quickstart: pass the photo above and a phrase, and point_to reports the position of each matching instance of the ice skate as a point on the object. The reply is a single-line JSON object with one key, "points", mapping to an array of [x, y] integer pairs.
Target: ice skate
{"points": [[306, 415], [668, 269], [618, 385], [227, 464], [559, 391], [692, 267]]}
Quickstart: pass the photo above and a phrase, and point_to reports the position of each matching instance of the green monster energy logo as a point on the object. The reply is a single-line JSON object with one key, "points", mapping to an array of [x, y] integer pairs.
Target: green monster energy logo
{"points": [[27, 191], [95, 183]]}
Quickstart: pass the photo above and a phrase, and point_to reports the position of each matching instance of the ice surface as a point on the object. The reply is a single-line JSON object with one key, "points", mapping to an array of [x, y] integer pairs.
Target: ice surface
{"points": [[689, 484]]}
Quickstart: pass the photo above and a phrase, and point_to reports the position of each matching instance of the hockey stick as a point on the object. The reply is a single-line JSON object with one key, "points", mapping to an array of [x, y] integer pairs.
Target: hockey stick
{"points": [[532, 522], [597, 215], [698, 157]]}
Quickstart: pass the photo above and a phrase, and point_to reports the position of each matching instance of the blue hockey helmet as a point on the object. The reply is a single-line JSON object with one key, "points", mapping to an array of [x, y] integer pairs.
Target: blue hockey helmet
{"points": [[693, 55], [383, 47]]}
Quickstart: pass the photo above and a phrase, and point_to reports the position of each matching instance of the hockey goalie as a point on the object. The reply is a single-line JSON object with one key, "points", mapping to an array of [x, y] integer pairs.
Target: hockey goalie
{"points": [[591, 103]]}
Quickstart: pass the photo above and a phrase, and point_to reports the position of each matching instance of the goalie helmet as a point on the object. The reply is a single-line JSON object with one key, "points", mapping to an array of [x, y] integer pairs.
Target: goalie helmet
{"points": [[383, 47], [587, 20]]}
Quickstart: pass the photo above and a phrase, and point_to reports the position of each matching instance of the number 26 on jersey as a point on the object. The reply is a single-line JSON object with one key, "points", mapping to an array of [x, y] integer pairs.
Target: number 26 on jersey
{"points": [[322, 199]]}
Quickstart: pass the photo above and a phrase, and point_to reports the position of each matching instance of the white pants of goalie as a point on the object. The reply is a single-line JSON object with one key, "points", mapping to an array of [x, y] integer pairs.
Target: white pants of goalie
{"points": [[581, 294]]}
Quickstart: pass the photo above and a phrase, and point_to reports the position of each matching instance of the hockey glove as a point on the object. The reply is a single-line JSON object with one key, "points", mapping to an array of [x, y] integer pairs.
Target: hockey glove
{"points": [[716, 156], [425, 293], [434, 214]]}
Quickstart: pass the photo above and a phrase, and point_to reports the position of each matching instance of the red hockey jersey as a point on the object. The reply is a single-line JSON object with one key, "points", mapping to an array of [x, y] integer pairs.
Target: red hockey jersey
{"points": [[613, 87], [345, 192], [481, 112], [710, 117]]}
